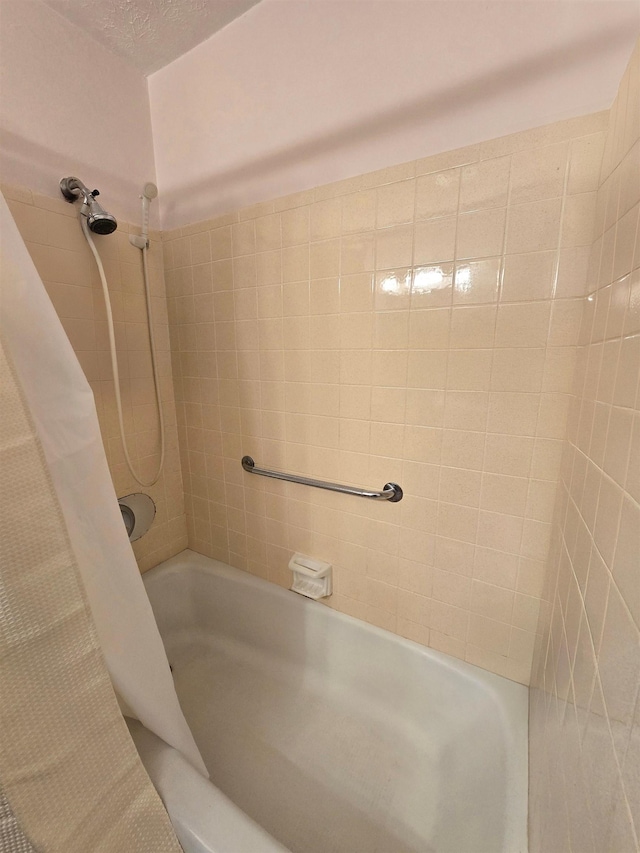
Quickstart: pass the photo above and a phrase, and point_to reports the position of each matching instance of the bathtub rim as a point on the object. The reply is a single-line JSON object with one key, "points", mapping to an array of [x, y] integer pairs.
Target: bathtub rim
{"points": [[204, 819]]}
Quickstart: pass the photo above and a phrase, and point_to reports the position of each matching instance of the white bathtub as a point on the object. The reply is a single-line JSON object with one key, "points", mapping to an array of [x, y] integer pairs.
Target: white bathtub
{"points": [[326, 734]]}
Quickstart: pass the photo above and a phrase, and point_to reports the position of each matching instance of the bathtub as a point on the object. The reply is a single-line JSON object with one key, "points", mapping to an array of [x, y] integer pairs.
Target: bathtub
{"points": [[322, 733]]}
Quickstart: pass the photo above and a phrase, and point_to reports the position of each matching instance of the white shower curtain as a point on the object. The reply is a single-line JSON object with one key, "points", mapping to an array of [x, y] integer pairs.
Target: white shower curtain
{"points": [[62, 406]]}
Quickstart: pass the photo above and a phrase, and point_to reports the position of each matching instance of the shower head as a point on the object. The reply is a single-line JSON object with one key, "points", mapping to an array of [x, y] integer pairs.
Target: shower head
{"points": [[98, 220], [150, 191]]}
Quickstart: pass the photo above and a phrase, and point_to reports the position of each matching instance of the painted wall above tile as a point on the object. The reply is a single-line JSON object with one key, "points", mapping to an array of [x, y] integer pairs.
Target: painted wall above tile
{"points": [[298, 94]]}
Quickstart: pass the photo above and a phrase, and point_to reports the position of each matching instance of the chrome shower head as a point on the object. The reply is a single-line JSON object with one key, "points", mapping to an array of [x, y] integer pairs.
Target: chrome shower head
{"points": [[98, 220]]}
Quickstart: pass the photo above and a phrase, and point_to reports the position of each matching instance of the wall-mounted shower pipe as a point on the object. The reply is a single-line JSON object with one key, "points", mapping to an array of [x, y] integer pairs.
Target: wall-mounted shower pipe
{"points": [[68, 190]]}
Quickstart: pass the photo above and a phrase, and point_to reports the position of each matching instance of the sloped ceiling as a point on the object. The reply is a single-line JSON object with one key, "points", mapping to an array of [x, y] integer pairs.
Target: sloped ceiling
{"points": [[150, 33]]}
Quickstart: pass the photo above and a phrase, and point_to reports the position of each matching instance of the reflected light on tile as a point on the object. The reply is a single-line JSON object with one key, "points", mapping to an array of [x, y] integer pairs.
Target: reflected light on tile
{"points": [[393, 288], [463, 279], [427, 279], [390, 284], [477, 281]]}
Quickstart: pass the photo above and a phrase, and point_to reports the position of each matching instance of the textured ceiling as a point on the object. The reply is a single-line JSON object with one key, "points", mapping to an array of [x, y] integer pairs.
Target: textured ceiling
{"points": [[151, 33]]}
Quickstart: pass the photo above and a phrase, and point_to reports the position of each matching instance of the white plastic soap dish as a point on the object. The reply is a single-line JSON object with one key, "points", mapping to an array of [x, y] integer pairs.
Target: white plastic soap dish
{"points": [[310, 577]]}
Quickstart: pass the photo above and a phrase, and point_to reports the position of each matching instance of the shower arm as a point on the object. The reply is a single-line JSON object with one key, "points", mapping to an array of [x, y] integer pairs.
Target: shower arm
{"points": [[73, 188]]}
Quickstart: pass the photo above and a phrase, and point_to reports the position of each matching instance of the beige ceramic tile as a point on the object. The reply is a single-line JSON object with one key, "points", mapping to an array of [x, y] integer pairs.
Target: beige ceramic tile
{"points": [[473, 326], [295, 263], [437, 194], [528, 276], [523, 325], [477, 281], [578, 220], [392, 290], [359, 211], [395, 204], [533, 227], [485, 184], [593, 523], [584, 163], [435, 240], [325, 219], [295, 226], [268, 232], [480, 234], [540, 172], [357, 253], [432, 286], [394, 247]]}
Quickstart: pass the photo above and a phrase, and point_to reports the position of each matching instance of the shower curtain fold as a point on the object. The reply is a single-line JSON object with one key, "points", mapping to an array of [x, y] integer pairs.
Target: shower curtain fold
{"points": [[62, 407], [71, 780]]}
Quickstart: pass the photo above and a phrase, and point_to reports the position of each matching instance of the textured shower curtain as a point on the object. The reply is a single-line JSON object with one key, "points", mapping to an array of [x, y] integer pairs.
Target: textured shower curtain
{"points": [[62, 409], [71, 780]]}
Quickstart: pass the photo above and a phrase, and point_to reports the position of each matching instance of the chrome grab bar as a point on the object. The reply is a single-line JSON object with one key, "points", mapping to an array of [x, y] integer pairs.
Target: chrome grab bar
{"points": [[391, 492]]}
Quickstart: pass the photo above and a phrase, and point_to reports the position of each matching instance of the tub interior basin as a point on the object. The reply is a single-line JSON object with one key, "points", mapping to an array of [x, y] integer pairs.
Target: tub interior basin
{"points": [[334, 735]]}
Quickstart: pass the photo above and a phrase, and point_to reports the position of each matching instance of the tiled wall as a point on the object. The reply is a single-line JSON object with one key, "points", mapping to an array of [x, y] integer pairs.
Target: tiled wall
{"points": [[585, 705], [55, 241], [417, 325]]}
